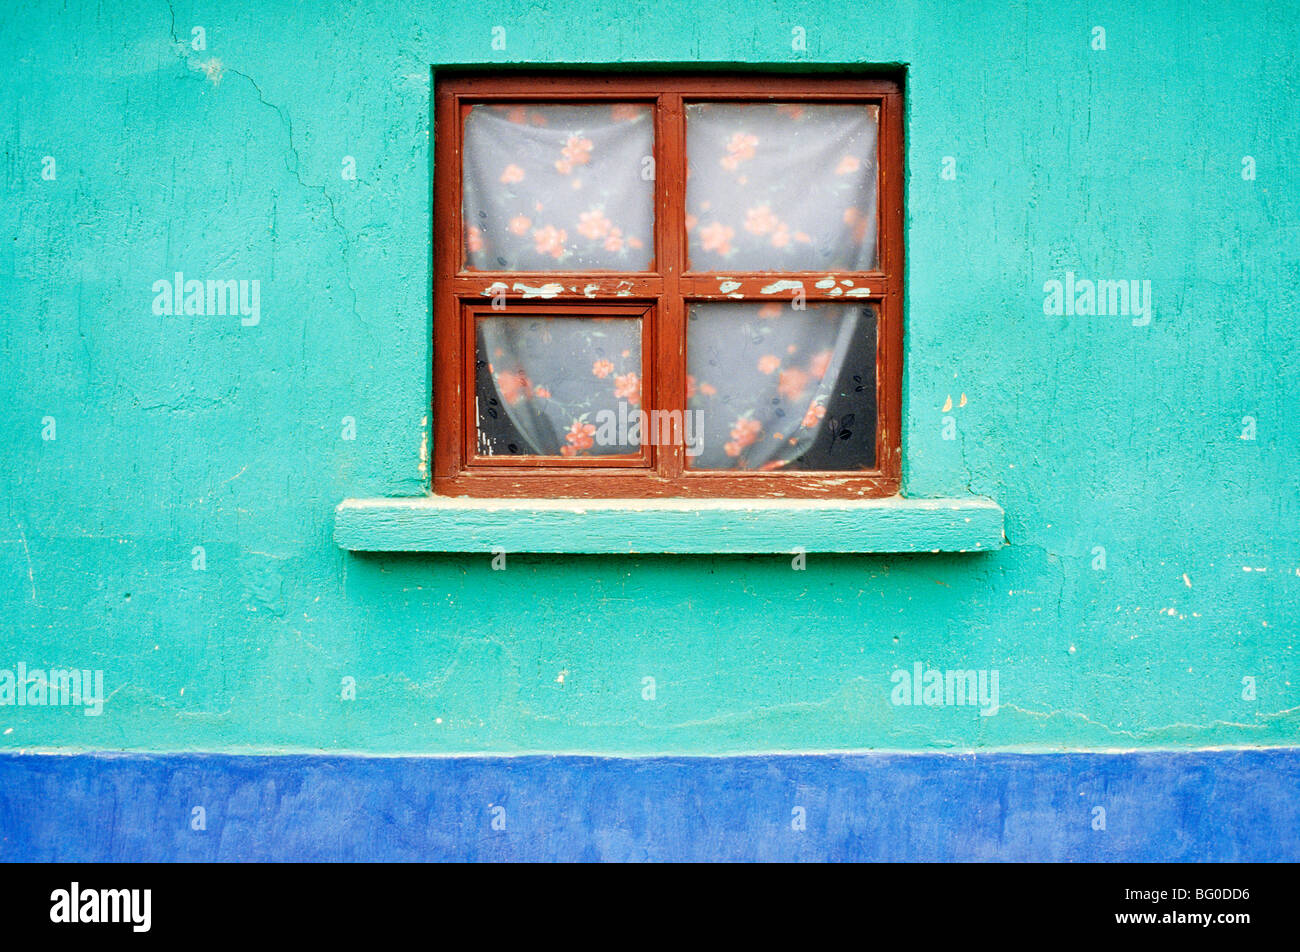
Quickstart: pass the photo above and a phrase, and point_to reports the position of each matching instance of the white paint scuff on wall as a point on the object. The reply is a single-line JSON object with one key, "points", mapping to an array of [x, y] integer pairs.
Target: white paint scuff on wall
{"points": [[424, 447]]}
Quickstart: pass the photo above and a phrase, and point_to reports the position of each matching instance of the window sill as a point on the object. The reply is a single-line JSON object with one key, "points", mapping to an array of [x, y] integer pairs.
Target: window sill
{"points": [[678, 526]]}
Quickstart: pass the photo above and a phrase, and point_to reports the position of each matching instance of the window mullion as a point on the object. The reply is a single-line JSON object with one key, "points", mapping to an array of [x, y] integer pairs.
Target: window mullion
{"points": [[670, 176]]}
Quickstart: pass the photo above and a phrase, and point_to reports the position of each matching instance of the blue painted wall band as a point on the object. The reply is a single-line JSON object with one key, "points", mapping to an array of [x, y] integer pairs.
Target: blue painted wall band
{"points": [[1230, 805]]}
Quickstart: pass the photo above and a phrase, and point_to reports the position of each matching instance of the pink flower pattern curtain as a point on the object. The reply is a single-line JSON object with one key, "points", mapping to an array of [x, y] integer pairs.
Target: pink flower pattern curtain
{"points": [[771, 187]]}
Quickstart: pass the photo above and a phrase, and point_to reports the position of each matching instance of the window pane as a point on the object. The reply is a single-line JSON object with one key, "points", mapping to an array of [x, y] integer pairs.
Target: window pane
{"points": [[789, 187], [773, 388], [559, 188], [558, 386]]}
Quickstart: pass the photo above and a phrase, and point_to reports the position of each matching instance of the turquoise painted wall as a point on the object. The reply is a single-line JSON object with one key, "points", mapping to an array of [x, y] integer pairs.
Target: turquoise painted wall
{"points": [[176, 432]]}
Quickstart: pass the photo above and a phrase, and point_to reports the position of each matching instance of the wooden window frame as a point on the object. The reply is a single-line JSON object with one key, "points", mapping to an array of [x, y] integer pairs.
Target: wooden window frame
{"points": [[664, 293]]}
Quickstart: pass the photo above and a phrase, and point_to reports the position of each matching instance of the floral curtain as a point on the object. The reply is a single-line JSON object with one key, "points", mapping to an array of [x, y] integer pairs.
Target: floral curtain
{"points": [[781, 187], [559, 188], [546, 383], [771, 187], [768, 386], [777, 388]]}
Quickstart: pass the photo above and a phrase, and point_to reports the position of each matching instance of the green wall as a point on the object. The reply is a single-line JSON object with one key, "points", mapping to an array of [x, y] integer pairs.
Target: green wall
{"points": [[176, 432]]}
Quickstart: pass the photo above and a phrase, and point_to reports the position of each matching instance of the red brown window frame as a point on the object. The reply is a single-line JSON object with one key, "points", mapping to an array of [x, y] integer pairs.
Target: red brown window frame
{"points": [[662, 294]]}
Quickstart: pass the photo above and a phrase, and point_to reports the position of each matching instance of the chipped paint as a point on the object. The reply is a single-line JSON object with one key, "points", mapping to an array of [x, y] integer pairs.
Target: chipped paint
{"points": [[424, 447], [859, 292], [778, 286], [726, 287], [211, 68], [544, 291]]}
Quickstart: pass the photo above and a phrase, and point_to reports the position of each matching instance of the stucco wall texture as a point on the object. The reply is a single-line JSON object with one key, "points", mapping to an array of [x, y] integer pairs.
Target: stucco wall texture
{"points": [[168, 483]]}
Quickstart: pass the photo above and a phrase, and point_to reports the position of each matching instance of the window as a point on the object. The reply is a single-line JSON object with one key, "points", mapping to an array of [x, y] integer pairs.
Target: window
{"points": [[667, 286]]}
